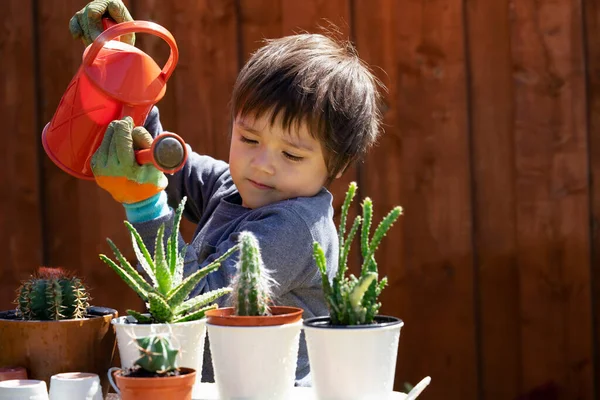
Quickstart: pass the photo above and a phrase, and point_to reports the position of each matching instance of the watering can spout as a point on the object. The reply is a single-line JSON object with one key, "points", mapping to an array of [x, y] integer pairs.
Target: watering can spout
{"points": [[114, 80]]}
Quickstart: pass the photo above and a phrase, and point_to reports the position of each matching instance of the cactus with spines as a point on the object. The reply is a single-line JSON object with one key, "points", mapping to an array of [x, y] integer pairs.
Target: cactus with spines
{"points": [[353, 300], [52, 294], [167, 292], [252, 284], [157, 354]]}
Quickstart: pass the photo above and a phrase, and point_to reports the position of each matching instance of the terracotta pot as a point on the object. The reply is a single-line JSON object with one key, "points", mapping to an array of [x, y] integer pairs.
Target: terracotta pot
{"points": [[166, 388], [46, 348], [10, 373], [280, 316]]}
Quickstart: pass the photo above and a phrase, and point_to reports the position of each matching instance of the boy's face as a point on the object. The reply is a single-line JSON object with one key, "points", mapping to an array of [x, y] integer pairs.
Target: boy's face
{"points": [[269, 163]]}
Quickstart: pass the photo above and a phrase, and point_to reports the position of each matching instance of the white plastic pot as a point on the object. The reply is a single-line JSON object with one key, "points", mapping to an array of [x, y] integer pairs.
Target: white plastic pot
{"points": [[254, 362], [188, 337], [353, 362]]}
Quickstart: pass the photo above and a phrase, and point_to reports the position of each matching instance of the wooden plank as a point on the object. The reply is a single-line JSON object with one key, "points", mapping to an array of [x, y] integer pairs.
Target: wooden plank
{"points": [[492, 138], [591, 13], [422, 163], [552, 205], [20, 218], [79, 215]]}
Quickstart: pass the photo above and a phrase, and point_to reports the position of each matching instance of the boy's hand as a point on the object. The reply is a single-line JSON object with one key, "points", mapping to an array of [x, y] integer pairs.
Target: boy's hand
{"points": [[86, 24], [115, 168]]}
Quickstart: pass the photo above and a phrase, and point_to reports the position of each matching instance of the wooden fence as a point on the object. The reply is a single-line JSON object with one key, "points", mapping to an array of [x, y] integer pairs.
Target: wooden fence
{"points": [[492, 146]]}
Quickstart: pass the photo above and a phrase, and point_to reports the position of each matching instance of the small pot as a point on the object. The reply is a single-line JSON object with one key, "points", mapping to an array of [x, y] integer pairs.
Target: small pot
{"points": [[46, 348], [353, 362], [254, 358], [187, 336], [10, 373], [160, 388]]}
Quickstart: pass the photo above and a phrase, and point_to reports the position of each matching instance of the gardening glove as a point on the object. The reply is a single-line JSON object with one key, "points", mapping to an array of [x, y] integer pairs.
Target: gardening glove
{"points": [[86, 24], [116, 170]]}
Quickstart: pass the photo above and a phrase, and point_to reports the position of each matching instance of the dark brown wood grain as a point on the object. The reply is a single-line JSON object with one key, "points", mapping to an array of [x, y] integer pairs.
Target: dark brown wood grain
{"points": [[493, 175], [591, 24], [21, 222], [552, 197], [422, 164]]}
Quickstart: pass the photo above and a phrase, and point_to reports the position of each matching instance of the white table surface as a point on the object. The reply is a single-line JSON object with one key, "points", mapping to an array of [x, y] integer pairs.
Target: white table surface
{"points": [[208, 391]]}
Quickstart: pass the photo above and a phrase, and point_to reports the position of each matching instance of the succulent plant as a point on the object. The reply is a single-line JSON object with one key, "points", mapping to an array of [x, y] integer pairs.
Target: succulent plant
{"points": [[252, 284], [352, 300], [167, 291], [52, 294], [157, 354]]}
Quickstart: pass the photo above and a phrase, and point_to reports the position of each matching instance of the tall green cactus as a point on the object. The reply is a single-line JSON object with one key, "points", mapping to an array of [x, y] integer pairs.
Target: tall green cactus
{"points": [[252, 284], [167, 291], [52, 294], [157, 354], [352, 300]]}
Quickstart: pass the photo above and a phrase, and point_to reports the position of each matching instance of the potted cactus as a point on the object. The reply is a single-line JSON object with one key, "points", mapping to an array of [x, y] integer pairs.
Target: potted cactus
{"points": [[254, 345], [52, 308], [155, 374], [352, 351], [166, 296]]}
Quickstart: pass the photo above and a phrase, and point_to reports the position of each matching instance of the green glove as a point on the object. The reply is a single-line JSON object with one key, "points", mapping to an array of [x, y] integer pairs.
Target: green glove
{"points": [[86, 24], [115, 168]]}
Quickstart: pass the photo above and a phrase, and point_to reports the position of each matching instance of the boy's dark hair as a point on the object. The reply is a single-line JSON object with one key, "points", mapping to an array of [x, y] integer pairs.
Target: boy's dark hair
{"points": [[312, 78]]}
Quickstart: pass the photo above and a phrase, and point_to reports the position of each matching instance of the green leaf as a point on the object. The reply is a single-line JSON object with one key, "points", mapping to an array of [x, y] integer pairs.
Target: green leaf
{"points": [[344, 215], [163, 275], [359, 290], [140, 247], [141, 290], [196, 315], [319, 256], [367, 207], [128, 269], [201, 300], [382, 229], [343, 267], [139, 317], [181, 292], [160, 310]]}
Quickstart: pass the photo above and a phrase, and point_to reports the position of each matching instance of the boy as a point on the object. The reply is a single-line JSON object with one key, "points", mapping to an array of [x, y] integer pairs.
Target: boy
{"points": [[303, 108]]}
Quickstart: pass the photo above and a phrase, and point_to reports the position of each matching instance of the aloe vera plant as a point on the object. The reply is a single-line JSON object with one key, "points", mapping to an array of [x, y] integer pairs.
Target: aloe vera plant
{"points": [[167, 291], [352, 300]]}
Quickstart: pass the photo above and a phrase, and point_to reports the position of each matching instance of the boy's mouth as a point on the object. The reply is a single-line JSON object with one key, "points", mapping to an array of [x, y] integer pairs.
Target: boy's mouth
{"points": [[259, 185]]}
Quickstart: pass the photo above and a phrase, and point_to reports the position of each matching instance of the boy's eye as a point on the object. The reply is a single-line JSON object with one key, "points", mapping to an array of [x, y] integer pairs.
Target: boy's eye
{"points": [[292, 157], [246, 140]]}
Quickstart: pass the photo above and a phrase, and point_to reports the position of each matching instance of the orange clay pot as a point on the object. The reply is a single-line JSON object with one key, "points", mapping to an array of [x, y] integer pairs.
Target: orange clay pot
{"points": [[164, 388], [10, 373], [280, 316], [46, 348]]}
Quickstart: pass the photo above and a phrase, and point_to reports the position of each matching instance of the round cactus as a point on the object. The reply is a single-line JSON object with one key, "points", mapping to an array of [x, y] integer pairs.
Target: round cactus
{"points": [[52, 294]]}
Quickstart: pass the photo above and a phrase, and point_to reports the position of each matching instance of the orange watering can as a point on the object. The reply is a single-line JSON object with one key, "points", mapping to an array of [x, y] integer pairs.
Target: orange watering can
{"points": [[114, 80]]}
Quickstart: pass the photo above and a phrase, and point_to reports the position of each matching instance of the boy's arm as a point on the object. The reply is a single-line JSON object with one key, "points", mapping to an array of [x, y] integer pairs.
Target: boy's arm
{"points": [[199, 179], [286, 249]]}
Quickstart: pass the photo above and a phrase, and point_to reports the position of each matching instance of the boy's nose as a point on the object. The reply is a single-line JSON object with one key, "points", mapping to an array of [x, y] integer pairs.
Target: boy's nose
{"points": [[263, 161]]}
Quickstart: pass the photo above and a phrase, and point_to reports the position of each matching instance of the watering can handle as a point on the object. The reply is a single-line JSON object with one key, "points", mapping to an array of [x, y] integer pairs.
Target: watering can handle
{"points": [[136, 27], [108, 23]]}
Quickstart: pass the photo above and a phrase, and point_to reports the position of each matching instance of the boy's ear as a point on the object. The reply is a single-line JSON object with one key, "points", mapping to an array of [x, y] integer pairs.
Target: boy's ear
{"points": [[339, 174]]}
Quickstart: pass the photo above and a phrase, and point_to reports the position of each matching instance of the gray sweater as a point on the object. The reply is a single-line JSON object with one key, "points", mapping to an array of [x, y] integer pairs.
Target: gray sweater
{"points": [[285, 230]]}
